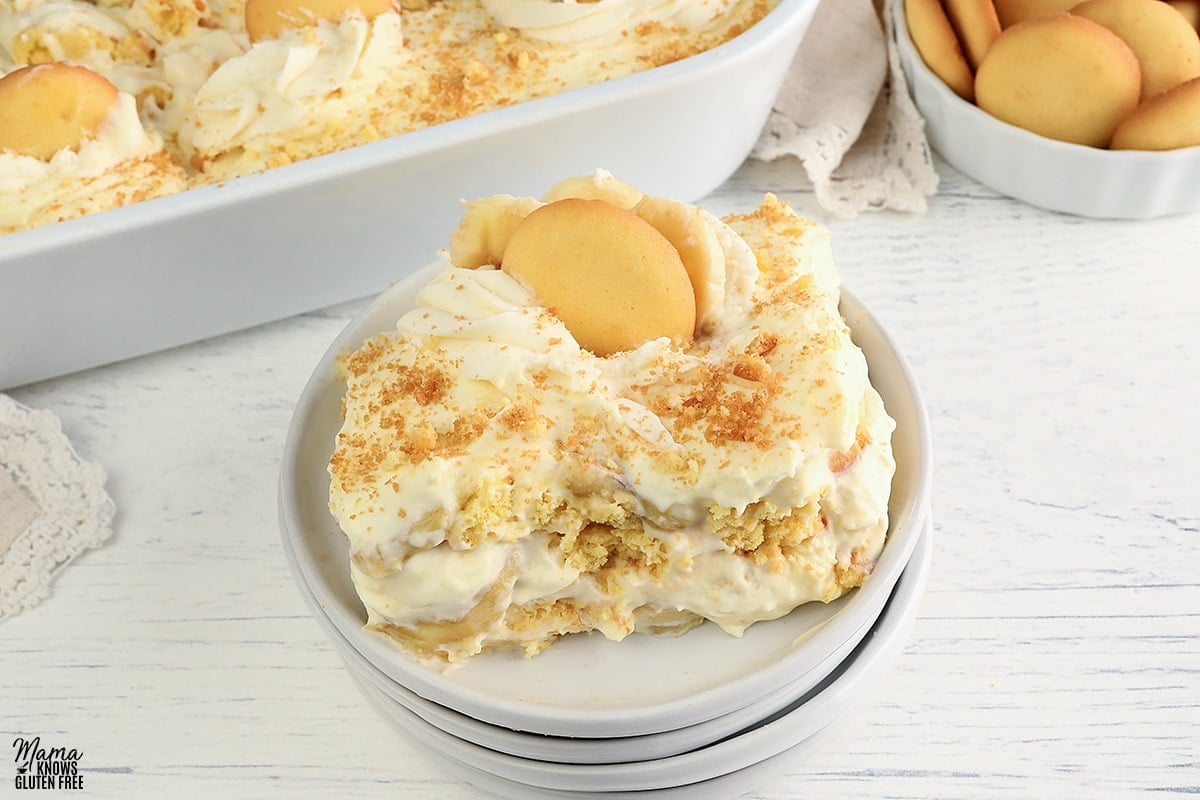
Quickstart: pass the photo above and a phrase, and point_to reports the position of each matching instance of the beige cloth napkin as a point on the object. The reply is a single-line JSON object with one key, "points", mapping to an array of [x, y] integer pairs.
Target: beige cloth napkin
{"points": [[52, 505], [845, 112]]}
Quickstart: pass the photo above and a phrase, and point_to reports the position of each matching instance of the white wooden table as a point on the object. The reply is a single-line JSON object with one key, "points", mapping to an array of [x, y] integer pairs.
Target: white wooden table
{"points": [[1057, 652]]}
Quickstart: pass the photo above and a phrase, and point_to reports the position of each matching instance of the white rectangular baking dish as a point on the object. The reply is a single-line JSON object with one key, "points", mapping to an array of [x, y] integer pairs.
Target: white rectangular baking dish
{"points": [[211, 260]]}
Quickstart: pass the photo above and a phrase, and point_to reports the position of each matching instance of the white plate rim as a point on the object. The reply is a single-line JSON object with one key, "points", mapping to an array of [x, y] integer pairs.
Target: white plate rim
{"points": [[593, 750], [576, 750], [727, 757]]}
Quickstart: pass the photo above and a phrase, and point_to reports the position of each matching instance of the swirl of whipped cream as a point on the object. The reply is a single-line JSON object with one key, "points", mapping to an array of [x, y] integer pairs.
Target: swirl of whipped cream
{"points": [[40, 184], [186, 63], [571, 22], [292, 85]]}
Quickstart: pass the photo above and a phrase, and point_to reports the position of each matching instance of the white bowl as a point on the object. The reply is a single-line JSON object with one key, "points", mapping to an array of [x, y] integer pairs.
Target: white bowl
{"points": [[768, 738], [1059, 176], [215, 259], [574, 750], [644, 684]]}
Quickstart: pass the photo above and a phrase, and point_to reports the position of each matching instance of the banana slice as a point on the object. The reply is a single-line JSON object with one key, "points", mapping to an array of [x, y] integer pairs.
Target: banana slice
{"points": [[485, 228], [601, 186], [269, 19], [433, 639], [699, 248]]}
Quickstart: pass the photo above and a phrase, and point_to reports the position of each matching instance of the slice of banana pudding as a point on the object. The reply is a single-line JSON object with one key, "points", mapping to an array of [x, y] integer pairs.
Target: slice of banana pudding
{"points": [[610, 412]]}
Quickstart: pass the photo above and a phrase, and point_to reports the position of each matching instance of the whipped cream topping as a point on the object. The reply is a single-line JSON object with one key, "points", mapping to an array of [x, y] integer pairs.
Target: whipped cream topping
{"points": [[40, 184], [184, 64], [479, 432], [294, 86], [570, 22]]}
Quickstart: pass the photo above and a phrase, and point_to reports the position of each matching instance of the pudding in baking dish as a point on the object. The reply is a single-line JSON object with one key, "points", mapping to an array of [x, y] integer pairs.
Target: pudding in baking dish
{"points": [[610, 412], [234, 87]]}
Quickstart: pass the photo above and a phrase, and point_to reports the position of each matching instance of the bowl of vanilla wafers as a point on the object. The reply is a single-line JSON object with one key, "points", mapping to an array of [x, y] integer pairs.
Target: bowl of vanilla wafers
{"points": [[1089, 108]]}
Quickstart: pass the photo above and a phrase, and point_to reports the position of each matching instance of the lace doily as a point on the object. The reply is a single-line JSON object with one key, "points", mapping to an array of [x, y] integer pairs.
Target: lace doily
{"points": [[52, 505], [844, 111]]}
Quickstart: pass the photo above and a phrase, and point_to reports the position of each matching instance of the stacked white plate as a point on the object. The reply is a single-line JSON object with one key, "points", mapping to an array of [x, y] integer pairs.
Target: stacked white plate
{"points": [[703, 715]]}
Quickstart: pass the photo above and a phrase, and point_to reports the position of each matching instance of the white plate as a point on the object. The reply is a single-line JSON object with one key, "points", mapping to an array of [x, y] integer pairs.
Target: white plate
{"points": [[644, 684], [769, 738], [573, 750], [1059, 176]]}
